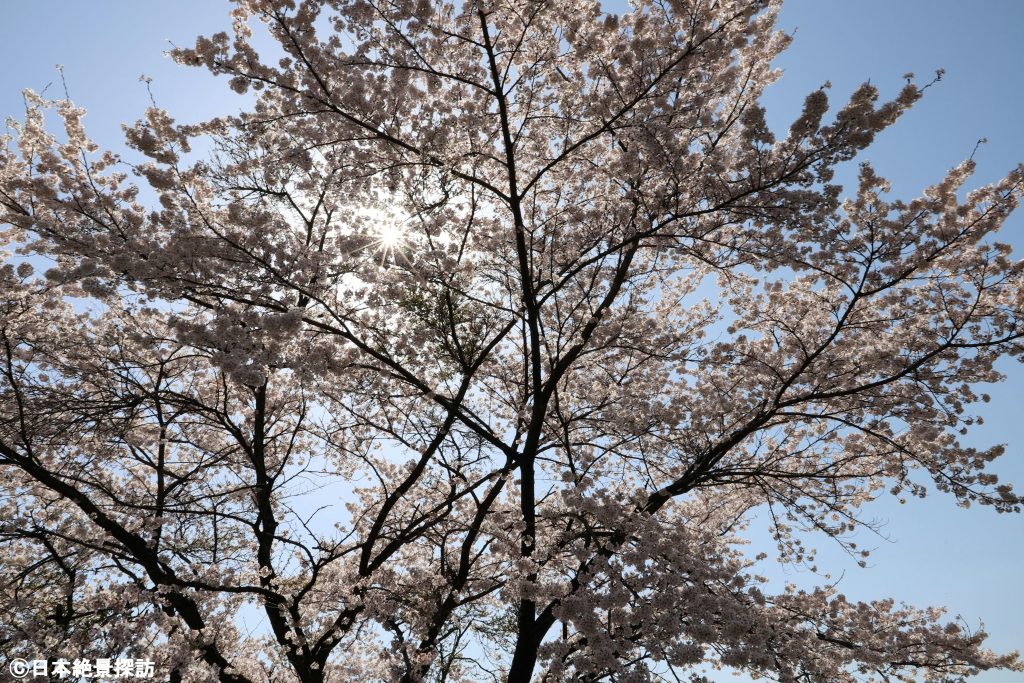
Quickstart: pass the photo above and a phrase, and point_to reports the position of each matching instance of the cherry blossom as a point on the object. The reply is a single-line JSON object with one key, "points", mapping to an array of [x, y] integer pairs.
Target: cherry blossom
{"points": [[470, 349]]}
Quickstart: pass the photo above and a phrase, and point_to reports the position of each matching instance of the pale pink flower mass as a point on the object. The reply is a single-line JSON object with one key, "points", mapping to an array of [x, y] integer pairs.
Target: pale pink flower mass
{"points": [[471, 348]]}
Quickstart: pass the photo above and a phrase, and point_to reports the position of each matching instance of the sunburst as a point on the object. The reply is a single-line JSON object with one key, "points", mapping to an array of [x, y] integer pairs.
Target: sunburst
{"points": [[390, 237]]}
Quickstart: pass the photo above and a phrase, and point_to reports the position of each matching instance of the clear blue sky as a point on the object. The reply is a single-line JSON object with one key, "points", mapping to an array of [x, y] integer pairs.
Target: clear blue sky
{"points": [[969, 560]]}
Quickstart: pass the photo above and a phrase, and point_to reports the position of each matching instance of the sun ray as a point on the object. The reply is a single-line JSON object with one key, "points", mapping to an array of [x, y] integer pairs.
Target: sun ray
{"points": [[390, 237]]}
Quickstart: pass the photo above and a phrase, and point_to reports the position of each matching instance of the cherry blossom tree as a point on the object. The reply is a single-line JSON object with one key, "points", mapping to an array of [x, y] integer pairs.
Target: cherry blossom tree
{"points": [[470, 349]]}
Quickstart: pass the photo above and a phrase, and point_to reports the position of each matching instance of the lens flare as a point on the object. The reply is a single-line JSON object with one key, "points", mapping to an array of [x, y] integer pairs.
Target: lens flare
{"points": [[390, 238]]}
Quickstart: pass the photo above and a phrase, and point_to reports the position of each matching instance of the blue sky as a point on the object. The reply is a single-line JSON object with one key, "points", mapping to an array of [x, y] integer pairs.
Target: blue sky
{"points": [[969, 560]]}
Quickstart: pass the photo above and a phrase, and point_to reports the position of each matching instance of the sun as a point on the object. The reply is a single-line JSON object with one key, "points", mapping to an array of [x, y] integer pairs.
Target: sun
{"points": [[389, 236], [389, 243], [384, 229]]}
